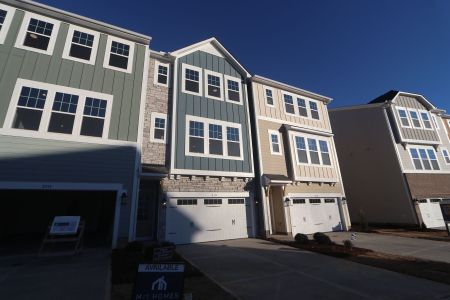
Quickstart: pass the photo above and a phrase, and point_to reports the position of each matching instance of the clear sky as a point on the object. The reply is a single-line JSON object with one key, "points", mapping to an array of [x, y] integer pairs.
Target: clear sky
{"points": [[349, 50]]}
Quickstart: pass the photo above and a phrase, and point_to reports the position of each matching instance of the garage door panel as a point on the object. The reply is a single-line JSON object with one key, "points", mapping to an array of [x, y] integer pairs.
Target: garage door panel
{"points": [[431, 213]]}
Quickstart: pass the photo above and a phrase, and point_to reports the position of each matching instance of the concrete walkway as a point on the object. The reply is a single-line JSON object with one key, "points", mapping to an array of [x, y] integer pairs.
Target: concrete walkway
{"points": [[258, 269], [83, 277], [420, 248]]}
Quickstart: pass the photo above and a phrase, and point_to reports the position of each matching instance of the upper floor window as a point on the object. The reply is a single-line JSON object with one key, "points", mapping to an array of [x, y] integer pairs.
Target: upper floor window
{"points": [[274, 142], [312, 151], [446, 156], [192, 83], [289, 104], [215, 139], [233, 138], [161, 74], [213, 85], [119, 55], [302, 110], [426, 120], [415, 118], [314, 110], [403, 117], [6, 15], [325, 153], [300, 145], [233, 93], [63, 114], [196, 137], [435, 121], [269, 96], [424, 158], [30, 108], [37, 33], [158, 128], [81, 45]]}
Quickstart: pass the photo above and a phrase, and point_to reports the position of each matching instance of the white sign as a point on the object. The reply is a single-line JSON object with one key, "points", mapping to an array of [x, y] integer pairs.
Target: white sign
{"points": [[63, 225], [353, 237]]}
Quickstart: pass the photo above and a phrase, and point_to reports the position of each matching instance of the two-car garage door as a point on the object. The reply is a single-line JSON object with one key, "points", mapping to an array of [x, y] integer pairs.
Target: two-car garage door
{"points": [[315, 215], [194, 220]]}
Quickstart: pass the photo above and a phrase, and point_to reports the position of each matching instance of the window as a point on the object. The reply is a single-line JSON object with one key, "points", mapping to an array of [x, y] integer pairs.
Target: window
{"points": [[196, 134], [446, 156], [158, 128], [433, 159], [119, 55], [330, 201], [403, 117], [192, 83], [435, 121], [325, 154], [213, 82], [313, 152], [315, 201], [298, 201], [416, 159], [426, 120], [234, 148], [58, 112], [233, 93], [424, 159], [435, 200], [423, 201], [6, 16], [300, 145], [288, 104], [314, 110], [269, 96], [274, 142], [215, 139], [187, 202], [37, 33], [302, 110], [415, 119], [236, 201], [161, 74], [81, 45], [212, 201]]}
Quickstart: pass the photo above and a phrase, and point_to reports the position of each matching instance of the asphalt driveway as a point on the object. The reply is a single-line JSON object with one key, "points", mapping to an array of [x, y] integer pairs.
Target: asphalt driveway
{"points": [[420, 248], [258, 269]]}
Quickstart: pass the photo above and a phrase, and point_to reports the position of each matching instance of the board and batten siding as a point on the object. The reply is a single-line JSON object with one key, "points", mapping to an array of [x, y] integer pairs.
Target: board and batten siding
{"points": [[126, 88], [187, 104], [277, 112]]}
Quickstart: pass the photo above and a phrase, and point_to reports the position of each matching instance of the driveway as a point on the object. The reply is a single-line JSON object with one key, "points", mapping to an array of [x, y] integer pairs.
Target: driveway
{"points": [[81, 277], [258, 269], [420, 248]]}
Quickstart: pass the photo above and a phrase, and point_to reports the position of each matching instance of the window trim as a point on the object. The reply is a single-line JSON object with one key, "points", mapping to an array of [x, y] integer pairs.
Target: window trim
{"points": [[106, 65], [10, 12], [295, 114], [420, 111], [418, 118], [310, 110], [185, 66], [225, 84], [426, 148], [319, 151], [277, 133], [24, 28], [155, 115], [448, 155], [48, 109], [265, 96], [399, 108], [206, 122], [68, 44], [155, 76], [205, 78]]}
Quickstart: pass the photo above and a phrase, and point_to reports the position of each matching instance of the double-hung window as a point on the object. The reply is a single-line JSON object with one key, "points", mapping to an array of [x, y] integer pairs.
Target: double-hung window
{"points": [[446, 156], [424, 158], [233, 142], [313, 151], [213, 82], [192, 83], [158, 128], [415, 119], [119, 55], [63, 114], [81, 45], [314, 110], [426, 120], [274, 142], [215, 139], [325, 153], [30, 108], [6, 15], [416, 158], [302, 110], [37, 33], [196, 137], [403, 117], [300, 146], [93, 117], [289, 104], [233, 93], [269, 96], [435, 121], [161, 74], [433, 159]]}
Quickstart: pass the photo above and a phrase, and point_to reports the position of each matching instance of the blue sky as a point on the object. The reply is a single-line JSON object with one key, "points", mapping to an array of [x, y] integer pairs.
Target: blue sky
{"points": [[352, 50]]}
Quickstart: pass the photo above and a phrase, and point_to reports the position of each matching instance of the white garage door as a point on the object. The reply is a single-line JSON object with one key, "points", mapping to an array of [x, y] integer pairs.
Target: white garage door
{"points": [[315, 215], [212, 219], [431, 213]]}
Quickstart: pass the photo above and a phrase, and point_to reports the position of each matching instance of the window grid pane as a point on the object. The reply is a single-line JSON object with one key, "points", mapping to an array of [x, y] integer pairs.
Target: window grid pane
{"points": [[160, 123], [232, 134], [215, 131], [65, 103], [162, 70], [95, 107], [40, 27], [233, 85], [213, 80], [196, 129], [2, 17], [82, 38], [34, 98], [120, 49], [192, 75]]}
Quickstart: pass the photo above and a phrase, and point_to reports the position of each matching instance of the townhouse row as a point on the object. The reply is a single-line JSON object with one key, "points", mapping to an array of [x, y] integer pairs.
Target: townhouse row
{"points": [[187, 146]]}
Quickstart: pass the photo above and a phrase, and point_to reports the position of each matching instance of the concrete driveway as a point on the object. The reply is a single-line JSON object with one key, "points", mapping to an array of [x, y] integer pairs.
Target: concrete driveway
{"points": [[82, 277], [420, 248], [258, 269]]}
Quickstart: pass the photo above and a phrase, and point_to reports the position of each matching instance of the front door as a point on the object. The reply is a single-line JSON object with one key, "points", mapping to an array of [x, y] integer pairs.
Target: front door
{"points": [[147, 209], [277, 206]]}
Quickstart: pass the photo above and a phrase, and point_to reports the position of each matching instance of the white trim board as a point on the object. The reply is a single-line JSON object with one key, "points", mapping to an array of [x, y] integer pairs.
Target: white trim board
{"points": [[315, 129], [10, 12], [206, 194], [211, 173], [68, 44], [314, 195]]}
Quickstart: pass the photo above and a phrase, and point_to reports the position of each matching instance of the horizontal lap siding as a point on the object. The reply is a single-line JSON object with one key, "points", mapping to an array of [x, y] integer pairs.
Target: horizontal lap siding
{"points": [[187, 104], [272, 164], [126, 88]]}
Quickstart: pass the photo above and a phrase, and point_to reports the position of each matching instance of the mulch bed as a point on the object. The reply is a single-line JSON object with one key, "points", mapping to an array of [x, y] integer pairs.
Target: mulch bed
{"points": [[428, 234], [436, 271]]}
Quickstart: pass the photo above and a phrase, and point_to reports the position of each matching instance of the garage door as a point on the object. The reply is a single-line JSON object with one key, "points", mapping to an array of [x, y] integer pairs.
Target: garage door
{"points": [[431, 213], [208, 219], [315, 215]]}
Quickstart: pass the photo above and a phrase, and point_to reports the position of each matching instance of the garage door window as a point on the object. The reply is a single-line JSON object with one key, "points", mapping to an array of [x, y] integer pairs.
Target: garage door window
{"points": [[299, 201], [423, 201], [236, 201], [187, 202], [435, 200], [330, 200], [315, 201], [212, 201]]}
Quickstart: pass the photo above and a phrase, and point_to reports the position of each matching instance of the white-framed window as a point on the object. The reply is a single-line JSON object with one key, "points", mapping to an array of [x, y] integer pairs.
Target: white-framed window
{"points": [[161, 73], [48, 110], [6, 16], [214, 85], [314, 110], [233, 87], [424, 158], [324, 153], [213, 138], [404, 119], [269, 97], [119, 54], [425, 117], [302, 110], [435, 121], [414, 115], [446, 155], [81, 45], [192, 80], [275, 142], [37, 33], [289, 104], [302, 154], [158, 128], [312, 150]]}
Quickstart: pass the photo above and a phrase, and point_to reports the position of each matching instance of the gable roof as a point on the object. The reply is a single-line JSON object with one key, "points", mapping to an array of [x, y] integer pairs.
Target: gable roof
{"points": [[392, 95], [215, 43]]}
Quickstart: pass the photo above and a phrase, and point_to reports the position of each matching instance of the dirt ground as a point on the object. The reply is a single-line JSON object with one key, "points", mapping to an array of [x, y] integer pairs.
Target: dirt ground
{"points": [[435, 235]]}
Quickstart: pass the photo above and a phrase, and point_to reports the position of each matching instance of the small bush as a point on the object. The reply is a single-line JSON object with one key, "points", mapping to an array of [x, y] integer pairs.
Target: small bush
{"points": [[301, 238], [322, 238], [348, 244]]}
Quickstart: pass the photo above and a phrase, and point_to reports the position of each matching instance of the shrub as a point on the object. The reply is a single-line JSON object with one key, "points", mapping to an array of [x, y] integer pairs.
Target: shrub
{"points": [[348, 244], [301, 238], [322, 238]]}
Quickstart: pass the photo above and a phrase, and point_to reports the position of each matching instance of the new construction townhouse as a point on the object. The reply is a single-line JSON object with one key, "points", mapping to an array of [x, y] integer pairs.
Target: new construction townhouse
{"points": [[72, 91], [395, 159], [298, 176]]}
